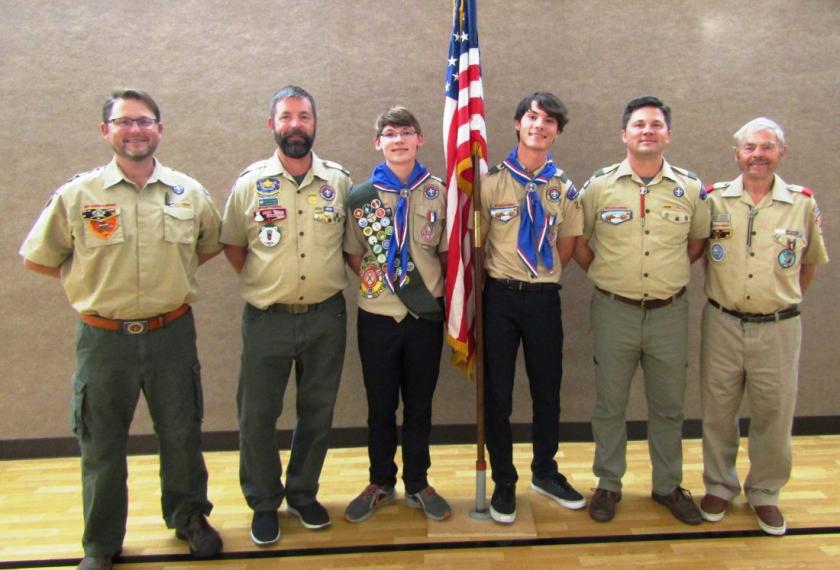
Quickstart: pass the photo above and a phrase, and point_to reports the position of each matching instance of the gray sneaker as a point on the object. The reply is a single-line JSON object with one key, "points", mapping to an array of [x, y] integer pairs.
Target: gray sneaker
{"points": [[361, 508], [435, 506]]}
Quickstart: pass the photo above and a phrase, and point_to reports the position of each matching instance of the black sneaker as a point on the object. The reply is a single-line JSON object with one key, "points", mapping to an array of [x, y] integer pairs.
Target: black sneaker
{"points": [[264, 528], [503, 503], [313, 516], [557, 487]]}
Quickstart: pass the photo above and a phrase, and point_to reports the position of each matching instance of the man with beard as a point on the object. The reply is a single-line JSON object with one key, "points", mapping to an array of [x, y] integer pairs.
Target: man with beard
{"points": [[126, 240], [282, 231]]}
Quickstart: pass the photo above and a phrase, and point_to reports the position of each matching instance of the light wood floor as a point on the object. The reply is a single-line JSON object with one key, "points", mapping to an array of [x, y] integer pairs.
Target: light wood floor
{"points": [[40, 519]]}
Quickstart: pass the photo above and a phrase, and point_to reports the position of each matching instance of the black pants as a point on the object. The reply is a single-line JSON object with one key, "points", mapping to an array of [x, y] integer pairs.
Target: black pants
{"points": [[531, 316], [399, 358]]}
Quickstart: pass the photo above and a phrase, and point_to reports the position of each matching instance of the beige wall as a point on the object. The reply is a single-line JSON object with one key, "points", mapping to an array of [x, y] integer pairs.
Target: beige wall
{"points": [[213, 65]]}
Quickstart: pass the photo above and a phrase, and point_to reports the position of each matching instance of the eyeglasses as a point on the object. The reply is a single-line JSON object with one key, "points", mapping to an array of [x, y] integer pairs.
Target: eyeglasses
{"points": [[405, 133], [126, 122]]}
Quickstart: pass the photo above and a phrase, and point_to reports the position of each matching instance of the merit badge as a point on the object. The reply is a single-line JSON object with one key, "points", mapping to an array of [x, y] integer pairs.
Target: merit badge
{"points": [[367, 231], [363, 222], [616, 216], [385, 222], [553, 194], [430, 192], [504, 212], [380, 212], [376, 203], [787, 257], [381, 258], [358, 213], [389, 230], [717, 251], [268, 186], [177, 190], [376, 226], [102, 220], [679, 192], [269, 235], [327, 193], [572, 193]]}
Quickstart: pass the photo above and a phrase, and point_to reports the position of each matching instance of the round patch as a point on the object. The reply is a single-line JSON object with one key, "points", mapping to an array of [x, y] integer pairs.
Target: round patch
{"points": [[178, 190], [363, 222], [553, 194], [376, 226], [327, 193], [431, 192], [385, 222], [380, 212], [381, 258], [368, 231], [717, 252], [311, 200], [358, 212], [375, 203], [787, 257], [679, 192], [269, 235]]}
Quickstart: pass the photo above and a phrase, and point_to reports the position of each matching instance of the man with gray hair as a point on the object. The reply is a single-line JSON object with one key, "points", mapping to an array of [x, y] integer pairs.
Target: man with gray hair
{"points": [[282, 231], [764, 246]]}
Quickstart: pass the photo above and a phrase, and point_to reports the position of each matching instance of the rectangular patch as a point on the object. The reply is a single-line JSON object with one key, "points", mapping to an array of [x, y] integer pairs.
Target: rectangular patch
{"points": [[615, 216]]}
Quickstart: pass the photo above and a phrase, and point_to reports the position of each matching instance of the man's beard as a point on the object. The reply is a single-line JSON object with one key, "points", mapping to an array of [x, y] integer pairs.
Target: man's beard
{"points": [[294, 148]]}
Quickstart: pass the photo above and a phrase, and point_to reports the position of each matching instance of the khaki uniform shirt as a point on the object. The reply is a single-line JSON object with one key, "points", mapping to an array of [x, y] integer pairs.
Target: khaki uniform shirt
{"points": [[756, 251], [126, 252], [502, 199], [640, 252], [427, 220], [306, 264]]}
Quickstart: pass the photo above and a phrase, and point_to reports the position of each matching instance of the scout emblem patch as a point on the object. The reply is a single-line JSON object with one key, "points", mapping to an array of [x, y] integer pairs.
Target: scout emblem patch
{"points": [[616, 216], [717, 252], [430, 192], [102, 220], [553, 194], [268, 186], [679, 192], [504, 212], [270, 235], [327, 193]]}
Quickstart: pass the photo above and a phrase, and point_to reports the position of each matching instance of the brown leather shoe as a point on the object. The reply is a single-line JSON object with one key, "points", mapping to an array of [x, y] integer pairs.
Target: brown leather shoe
{"points": [[681, 505], [712, 508], [95, 563], [770, 519], [602, 505], [203, 539]]}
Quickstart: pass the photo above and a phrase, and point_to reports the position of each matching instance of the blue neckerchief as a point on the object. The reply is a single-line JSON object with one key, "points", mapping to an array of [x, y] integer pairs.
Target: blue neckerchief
{"points": [[385, 180], [533, 224]]}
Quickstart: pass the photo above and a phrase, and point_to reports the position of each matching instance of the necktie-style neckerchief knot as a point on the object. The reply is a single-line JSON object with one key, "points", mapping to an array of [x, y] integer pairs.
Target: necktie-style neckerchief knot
{"points": [[385, 180], [533, 223]]}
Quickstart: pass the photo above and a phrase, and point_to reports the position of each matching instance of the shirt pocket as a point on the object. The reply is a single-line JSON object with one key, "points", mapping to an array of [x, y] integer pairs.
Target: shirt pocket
{"points": [[788, 246], [427, 226], [329, 224], [102, 225], [178, 224]]}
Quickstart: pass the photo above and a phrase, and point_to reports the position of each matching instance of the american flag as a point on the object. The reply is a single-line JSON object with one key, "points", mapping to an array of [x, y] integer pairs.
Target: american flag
{"points": [[464, 135]]}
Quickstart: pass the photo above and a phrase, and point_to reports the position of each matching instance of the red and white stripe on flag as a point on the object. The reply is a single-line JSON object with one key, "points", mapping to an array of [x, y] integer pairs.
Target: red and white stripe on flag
{"points": [[464, 135]]}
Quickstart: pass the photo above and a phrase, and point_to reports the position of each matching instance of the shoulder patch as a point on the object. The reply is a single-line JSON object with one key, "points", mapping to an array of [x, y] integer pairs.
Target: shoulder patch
{"points": [[802, 189], [685, 172], [252, 167], [438, 180], [335, 166], [606, 170], [562, 175]]}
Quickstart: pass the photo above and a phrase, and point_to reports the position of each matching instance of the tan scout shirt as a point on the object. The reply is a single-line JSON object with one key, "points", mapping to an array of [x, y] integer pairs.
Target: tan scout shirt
{"points": [[502, 200], [756, 251], [640, 253], [306, 264], [126, 252], [427, 220]]}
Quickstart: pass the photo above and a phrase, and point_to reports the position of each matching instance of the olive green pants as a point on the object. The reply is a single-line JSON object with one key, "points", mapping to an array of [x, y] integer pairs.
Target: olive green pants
{"points": [[111, 370]]}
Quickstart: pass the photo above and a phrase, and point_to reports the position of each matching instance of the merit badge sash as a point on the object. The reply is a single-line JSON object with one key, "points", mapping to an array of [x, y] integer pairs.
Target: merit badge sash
{"points": [[377, 225], [101, 219]]}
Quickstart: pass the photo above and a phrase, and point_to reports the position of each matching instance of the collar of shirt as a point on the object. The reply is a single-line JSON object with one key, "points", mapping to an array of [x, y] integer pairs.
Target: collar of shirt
{"points": [[274, 167], [666, 172], [780, 189], [113, 175]]}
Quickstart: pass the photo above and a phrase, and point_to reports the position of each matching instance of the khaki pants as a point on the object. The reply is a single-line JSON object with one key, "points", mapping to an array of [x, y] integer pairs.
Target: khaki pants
{"points": [[761, 360]]}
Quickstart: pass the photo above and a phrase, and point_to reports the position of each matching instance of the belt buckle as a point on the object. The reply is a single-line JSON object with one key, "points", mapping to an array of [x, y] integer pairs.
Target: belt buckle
{"points": [[297, 309], [135, 327]]}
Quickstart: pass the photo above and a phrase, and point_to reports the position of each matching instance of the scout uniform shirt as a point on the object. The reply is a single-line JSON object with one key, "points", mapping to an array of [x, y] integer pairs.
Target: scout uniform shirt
{"points": [[639, 232], [126, 252], [502, 200], [293, 233], [757, 250], [426, 215]]}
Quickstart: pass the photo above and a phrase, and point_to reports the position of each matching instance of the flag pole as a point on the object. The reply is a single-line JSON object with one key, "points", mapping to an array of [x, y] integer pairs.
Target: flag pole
{"points": [[480, 512]]}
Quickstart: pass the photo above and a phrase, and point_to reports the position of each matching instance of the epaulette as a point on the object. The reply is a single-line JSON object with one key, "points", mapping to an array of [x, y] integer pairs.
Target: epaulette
{"points": [[606, 170], [252, 167], [335, 166], [563, 176], [803, 189], [438, 180], [717, 186], [496, 169], [685, 172]]}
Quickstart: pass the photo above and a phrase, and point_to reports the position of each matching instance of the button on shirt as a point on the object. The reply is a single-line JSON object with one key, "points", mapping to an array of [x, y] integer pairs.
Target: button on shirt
{"points": [[641, 251], [756, 251], [306, 265], [126, 252], [502, 198]]}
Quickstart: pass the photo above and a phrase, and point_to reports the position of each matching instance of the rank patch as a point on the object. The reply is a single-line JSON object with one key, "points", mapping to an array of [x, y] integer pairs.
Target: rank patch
{"points": [[717, 252]]}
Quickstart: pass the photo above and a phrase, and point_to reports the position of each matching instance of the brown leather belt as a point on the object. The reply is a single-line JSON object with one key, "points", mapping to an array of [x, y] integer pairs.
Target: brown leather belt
{"points": [[786, 313], [644, 303], [137, 326]]}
